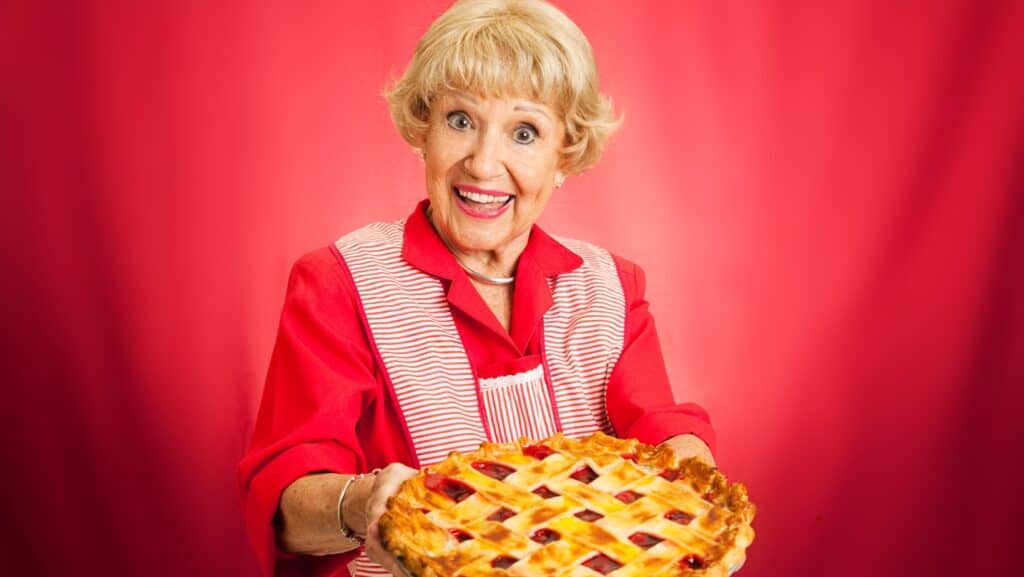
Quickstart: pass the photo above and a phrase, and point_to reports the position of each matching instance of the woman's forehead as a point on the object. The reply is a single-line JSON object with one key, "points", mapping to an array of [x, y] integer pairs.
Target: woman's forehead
{"points": [[518, 99]]}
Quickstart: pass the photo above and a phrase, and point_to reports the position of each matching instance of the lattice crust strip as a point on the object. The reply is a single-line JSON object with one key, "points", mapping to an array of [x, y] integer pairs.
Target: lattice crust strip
{"points": [[569, 507]]}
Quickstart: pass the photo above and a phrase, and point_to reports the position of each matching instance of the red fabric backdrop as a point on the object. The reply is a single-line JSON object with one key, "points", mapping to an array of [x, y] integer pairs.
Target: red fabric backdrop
{"points": [[827, 198]]}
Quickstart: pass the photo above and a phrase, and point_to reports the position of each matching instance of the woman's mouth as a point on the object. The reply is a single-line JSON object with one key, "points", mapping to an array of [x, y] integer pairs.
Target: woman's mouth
{"points": [[479, 203]]}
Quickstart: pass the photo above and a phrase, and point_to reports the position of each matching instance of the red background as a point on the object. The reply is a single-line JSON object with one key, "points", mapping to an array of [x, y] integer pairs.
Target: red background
{"points": [[828, 199]]}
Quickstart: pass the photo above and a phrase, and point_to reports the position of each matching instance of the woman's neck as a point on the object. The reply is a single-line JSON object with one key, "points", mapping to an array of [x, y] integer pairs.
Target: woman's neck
{"points": [[499, 263]]}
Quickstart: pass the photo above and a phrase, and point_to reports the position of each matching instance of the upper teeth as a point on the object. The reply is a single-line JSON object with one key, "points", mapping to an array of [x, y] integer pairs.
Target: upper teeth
{"points": [[482, 198]]}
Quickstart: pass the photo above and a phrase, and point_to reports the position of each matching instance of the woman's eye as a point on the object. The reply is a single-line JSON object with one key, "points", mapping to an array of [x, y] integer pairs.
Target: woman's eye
{"points": [[459, 121], [525, 134]]}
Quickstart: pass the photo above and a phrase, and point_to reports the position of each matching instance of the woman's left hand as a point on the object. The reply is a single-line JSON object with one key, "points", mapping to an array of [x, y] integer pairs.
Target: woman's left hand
{"points": [[686, 446]]}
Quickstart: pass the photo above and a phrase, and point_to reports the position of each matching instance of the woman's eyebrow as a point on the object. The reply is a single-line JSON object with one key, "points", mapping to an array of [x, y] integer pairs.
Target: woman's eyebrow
{"points": [[464, 96], [522, 107], [531, 108]]}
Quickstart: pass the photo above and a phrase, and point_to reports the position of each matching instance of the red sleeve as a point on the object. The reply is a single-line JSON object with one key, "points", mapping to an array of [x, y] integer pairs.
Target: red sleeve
{"points": [[321, 377], [640, 402]]}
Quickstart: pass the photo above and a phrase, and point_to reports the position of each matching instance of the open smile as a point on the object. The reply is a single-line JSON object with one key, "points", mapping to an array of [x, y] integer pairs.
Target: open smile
{"points": [[481, 203]]}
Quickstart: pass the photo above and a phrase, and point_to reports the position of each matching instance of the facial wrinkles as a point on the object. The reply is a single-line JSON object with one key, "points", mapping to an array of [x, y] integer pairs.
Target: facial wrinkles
{"points": [[490, 146], [487, 154]]}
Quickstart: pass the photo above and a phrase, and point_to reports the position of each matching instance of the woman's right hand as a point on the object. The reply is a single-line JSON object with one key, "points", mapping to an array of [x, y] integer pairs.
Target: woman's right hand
{"points": [[385, 484]]}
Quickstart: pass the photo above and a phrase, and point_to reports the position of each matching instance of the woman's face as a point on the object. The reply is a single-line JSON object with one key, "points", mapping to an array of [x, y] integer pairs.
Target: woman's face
{"points": [[491, 164]]}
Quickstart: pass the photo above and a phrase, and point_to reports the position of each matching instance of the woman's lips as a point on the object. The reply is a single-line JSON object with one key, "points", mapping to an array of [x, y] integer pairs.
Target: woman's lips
{"points": [[480, 203]]}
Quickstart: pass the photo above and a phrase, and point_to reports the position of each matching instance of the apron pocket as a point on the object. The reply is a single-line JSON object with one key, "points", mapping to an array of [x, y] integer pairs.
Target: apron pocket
{"points": [[516, 400]]}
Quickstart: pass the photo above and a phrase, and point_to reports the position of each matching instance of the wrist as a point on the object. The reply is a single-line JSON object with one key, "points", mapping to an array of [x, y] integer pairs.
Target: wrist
{"points": [[353, 506]]}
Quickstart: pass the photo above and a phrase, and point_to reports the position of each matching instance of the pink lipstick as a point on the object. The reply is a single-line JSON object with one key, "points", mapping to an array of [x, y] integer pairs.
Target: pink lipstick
{"points": [[481, 203]]}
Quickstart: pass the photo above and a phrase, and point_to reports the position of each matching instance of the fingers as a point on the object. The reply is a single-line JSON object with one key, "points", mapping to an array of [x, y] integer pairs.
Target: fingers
{"points": [[376, 552], [385, 484]]}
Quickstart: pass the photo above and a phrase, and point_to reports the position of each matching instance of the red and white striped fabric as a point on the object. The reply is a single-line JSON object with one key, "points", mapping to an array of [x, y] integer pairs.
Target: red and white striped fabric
{"points": [[361, 566], [518, 405], [445, 405], [584, 331], [418, 343]]}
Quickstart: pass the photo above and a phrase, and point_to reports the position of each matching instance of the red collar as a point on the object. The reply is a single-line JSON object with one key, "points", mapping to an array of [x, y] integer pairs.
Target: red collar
{"points": [[423, 249], [543, 257]]}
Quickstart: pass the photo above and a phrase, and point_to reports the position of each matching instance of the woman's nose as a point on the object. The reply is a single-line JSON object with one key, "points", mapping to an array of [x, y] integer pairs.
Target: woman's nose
{"points": [[484, 161]]}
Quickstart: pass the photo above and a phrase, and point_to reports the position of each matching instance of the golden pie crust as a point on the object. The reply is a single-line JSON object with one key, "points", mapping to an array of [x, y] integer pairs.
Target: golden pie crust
{"points": [[567, 507]]}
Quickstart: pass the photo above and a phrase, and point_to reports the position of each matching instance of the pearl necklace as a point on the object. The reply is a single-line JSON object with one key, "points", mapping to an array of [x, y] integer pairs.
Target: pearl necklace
{"points": [[495, 280]]}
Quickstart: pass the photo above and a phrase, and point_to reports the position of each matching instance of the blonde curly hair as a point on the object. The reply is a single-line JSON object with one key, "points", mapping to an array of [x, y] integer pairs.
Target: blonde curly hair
{"points": [[523, 48]]}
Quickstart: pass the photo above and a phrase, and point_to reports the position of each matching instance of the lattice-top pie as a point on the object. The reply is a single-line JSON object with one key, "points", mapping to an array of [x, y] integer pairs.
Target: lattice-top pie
{"points": [[588, 507]]}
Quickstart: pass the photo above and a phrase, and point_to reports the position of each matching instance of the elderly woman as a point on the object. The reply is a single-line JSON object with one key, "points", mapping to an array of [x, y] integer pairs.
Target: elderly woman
{"points": [[464, 322]]}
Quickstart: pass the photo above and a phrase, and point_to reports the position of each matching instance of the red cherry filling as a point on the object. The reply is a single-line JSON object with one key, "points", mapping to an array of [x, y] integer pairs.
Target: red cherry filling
{"points": [[454, 490], [503, 562], [539, 452], [545, 536], [588, 515], [460, 535], [602, 563], [628, 496], [629, 456], [693, 561], [645, 540], [544, 493], [501, 514], [677, 516], [584, 475], [493, 470], [670, 474]]}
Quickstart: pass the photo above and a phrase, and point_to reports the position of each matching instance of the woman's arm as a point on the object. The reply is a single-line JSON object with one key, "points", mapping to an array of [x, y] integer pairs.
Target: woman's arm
{"points": [[640, 403], [305, 440], [309, 518]]}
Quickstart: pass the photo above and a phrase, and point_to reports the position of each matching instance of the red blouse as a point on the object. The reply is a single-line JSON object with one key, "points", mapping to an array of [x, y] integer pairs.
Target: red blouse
{"points": [[326, 404]]}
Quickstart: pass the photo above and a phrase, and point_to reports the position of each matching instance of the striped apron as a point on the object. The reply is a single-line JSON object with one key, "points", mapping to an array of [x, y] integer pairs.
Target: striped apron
{"points": [[446, 403]]}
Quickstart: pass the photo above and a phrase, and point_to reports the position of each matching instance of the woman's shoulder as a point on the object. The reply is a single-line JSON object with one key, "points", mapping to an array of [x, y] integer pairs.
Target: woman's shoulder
{"points": [[321, 275], [630, 275], [327, 262], [590, 251], [375, 234], [634, 282], [320, 261]]}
